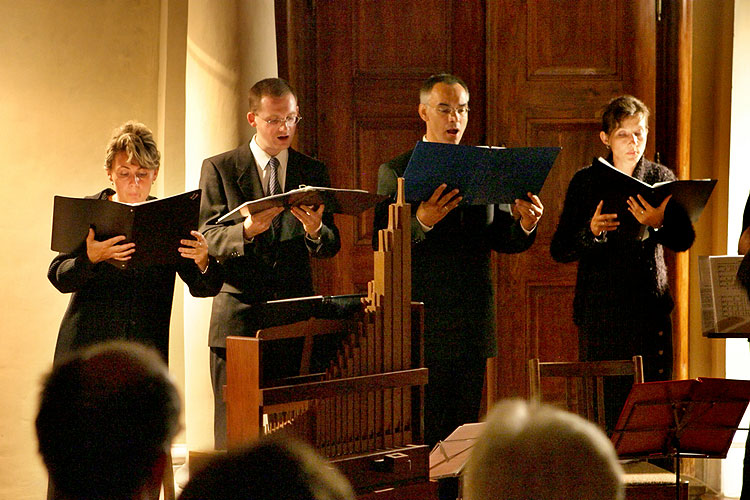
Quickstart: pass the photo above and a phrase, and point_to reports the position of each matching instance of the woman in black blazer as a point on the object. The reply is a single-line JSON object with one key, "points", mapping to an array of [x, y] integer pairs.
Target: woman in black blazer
{"points": [[133, 304], [622, 302]]}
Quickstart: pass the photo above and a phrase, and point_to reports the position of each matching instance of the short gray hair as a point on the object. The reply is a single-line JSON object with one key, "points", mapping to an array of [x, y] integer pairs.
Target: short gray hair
{"points": [[537, 452], [446, 78]]}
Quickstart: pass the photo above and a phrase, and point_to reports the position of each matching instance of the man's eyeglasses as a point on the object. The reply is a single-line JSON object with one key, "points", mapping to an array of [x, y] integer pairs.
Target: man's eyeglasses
{"points": [[289, 121], [448, 110]]}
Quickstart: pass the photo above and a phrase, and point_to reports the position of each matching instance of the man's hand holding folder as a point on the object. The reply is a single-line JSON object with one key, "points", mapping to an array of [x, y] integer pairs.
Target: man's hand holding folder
{"points": [[437, 206], [482, 176], [477, 176]]}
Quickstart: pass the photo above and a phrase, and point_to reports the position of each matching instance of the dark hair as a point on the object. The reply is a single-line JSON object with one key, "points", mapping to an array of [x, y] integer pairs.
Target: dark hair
{"points": [[106, 416], [273, 87], [621, 108], [446, 78], [273, 468]]}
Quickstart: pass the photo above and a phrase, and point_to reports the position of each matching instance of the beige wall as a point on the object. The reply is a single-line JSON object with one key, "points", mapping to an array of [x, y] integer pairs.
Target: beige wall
{"points": [[713, 31], [73, 71], [709, 158], [221, 66]]}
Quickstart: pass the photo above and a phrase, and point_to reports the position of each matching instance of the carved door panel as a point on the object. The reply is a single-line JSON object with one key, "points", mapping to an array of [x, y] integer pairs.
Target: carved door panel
{"points": [[371, 59], [538, 71], [551, 66]]}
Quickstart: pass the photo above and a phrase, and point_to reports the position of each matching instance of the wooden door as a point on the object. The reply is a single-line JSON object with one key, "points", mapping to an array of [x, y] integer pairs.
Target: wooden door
{"points": [[538, 72], [371, 59], [551, 66]]}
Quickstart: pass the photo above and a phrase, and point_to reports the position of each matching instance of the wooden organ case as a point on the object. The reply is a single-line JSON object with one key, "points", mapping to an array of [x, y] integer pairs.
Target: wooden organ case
{"points": [[364, 410]]}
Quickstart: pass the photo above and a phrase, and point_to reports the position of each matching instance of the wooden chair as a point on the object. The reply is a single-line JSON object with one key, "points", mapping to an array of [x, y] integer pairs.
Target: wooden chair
{"points": [[584, 383], [583, 394]]}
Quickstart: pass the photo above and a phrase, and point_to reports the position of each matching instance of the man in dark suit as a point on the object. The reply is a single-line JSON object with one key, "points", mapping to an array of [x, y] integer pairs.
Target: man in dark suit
{"points": [[451, 266], [266, 255]]}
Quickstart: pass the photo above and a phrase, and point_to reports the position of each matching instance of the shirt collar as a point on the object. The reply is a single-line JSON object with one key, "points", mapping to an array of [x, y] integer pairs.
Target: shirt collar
{"points": [[261, 157]]}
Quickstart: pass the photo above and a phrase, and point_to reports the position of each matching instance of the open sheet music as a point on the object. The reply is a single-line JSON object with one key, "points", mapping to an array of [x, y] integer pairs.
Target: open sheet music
{"points": [[336, 200], [617, 186], [725, 308]]}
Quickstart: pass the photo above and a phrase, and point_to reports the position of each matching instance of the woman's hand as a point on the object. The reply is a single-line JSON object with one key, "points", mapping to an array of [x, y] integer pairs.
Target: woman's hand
{"points": [[196, 249], [645, 213], [601, 223], [98, 251], [529, 211]]}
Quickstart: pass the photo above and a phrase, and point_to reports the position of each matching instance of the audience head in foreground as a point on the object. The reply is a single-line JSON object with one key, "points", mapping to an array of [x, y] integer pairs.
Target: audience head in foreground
{"points": [[271, 469], [531, 452], [107, 417]]}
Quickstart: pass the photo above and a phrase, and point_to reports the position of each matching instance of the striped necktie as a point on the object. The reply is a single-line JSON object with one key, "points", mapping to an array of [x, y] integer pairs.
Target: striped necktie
{"points": [[274, 188]]}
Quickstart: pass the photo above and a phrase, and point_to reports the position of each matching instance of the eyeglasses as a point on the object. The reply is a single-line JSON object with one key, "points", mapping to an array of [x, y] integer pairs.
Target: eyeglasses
{"points": [[289, 121], [140, 175], [448, 110]]}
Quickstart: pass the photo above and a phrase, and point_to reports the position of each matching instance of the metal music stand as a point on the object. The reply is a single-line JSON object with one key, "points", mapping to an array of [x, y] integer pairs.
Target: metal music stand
{"points": [[681, 418]]}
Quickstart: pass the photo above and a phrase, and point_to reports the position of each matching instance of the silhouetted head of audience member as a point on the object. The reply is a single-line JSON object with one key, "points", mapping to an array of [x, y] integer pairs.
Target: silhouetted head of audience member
{"points": [[271, 469], [538, 452], [106, 420]]}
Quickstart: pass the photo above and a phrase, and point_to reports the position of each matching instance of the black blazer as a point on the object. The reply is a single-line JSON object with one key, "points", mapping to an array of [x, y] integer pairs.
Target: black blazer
{"points": [[128, 304], [622, 277], [451, 269], [271, 266]]}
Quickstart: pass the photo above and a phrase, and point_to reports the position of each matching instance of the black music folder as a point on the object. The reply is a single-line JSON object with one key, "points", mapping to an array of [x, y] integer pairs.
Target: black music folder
{"points": [[336, 200], [155, 226], [483, 175], [616, 187]]}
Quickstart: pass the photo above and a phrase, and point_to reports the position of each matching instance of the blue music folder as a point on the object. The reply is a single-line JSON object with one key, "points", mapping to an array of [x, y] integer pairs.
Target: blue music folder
{"points": [[483, 176]]}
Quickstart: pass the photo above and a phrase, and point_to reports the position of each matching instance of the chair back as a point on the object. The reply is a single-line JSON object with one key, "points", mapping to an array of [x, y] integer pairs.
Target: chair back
{"points": [[583, 391]]}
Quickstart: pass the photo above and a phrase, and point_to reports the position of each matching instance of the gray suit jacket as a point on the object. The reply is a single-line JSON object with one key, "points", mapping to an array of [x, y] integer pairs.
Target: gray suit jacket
{"points": [[271, 266]]}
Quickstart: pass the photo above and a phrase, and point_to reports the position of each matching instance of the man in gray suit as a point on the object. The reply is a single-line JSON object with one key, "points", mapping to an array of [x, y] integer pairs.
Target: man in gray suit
{"points": [[266, 256], [451, 274]]}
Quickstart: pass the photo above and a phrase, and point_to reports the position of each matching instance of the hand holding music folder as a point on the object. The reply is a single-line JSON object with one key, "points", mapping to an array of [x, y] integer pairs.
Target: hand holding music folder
{"points": [[336, 200], [155, 226], [483, 176], [617, 186]]}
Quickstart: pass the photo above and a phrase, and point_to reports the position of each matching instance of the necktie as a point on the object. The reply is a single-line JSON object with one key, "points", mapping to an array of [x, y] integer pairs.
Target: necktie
{"points": [[274, 188]]}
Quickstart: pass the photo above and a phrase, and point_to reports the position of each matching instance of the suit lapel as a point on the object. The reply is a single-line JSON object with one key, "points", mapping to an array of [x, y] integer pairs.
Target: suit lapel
{"points": [[293, 171], [293, 180], [248, 178]]}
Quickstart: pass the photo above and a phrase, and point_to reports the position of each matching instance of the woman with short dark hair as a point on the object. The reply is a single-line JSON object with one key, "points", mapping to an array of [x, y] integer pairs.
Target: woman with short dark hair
{"points": [[622, 301]]}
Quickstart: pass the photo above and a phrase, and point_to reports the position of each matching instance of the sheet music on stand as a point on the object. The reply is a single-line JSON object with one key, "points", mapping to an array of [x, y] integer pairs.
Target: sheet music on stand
{"points": [[449, 457], [725, 308]]}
